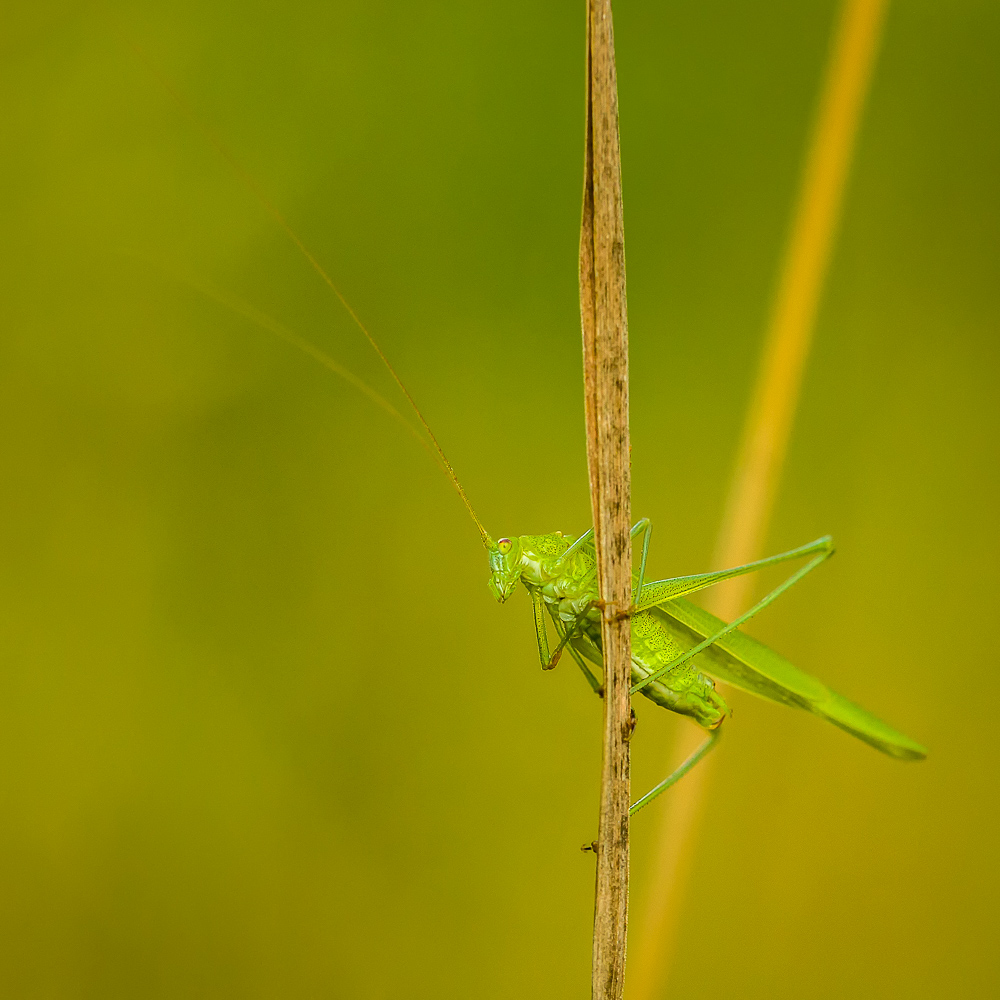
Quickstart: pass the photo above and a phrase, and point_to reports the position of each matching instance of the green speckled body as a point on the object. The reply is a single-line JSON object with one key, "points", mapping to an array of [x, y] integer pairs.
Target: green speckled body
{"points": [[568, 586], [677, 647]]}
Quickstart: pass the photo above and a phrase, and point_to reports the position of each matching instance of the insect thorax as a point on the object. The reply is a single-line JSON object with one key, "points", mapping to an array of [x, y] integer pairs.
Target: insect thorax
{"points": [[566, 584]]}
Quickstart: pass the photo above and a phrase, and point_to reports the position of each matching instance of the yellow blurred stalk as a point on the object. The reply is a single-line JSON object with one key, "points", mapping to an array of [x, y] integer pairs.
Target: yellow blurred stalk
{"points": [[765, 441]]}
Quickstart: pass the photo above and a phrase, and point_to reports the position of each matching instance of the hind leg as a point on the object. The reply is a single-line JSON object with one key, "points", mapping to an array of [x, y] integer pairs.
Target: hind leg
{"points": [[675, 776]]}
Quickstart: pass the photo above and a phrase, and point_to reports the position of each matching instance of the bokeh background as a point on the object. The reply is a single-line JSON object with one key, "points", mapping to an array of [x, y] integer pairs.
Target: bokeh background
{"points": [[264, 733]]}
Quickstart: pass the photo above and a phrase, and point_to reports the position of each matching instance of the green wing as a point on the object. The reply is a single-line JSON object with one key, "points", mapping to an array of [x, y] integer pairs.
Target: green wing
{"points": [[750, 665]]}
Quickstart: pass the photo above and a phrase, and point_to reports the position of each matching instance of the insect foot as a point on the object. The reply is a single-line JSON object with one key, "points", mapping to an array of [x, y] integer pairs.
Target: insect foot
{"points": [[611, 611], [629, 728]]}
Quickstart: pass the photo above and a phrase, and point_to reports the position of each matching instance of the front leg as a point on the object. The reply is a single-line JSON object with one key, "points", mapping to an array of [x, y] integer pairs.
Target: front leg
{"points": [[542, 640], [541, 635], [571, 631]]}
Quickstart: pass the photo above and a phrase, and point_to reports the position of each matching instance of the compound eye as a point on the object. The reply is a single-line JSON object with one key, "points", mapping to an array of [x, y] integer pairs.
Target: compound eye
{"points": [[504, 545]]}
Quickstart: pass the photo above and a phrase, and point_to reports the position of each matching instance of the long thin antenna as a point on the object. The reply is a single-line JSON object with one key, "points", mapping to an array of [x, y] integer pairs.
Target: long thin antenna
{"points": [[272, 210], [254, 315]]}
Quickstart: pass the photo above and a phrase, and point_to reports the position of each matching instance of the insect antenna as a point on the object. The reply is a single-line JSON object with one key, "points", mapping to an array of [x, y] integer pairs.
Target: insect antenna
{"points": [[251, 185], [252, 314]]}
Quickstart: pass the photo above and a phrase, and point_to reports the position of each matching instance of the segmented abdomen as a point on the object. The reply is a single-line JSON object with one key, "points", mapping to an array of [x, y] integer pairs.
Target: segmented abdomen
{"points": [[684, 689]]}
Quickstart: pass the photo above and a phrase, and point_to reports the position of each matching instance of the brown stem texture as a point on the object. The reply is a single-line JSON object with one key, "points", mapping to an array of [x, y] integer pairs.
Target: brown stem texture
{"points": [[605, 365]]}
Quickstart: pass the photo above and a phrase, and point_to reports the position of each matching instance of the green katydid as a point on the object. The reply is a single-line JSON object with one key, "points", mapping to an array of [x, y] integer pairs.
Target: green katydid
{"points": [[678, 649]]}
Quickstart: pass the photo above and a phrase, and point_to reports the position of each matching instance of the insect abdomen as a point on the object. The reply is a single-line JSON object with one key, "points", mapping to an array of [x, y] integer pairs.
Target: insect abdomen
{"points": [[684, 689]]}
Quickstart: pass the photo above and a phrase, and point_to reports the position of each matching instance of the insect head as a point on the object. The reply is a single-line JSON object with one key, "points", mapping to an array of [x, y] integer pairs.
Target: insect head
{"points": [[505, 566]]}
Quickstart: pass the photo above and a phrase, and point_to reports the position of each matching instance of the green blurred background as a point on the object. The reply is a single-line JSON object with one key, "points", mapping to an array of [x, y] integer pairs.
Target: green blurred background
{"points": [[264, 732]]}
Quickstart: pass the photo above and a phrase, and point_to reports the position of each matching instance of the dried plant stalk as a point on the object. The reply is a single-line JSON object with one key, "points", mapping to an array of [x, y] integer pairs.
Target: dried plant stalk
{"points": [[605, 360], [768, 428]]}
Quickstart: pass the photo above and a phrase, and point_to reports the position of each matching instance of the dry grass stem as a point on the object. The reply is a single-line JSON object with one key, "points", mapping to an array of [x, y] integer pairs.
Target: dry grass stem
{"points": [[767, 431], [605, 357]]}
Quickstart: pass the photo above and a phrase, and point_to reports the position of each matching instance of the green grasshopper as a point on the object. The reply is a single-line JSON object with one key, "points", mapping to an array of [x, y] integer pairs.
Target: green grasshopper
{"points": [[678, 649]]}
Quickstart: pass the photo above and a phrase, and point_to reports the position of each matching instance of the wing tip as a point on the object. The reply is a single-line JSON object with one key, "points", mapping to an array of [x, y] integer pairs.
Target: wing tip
{"points": [[872, 730], [907, 750], [884, 738]]}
